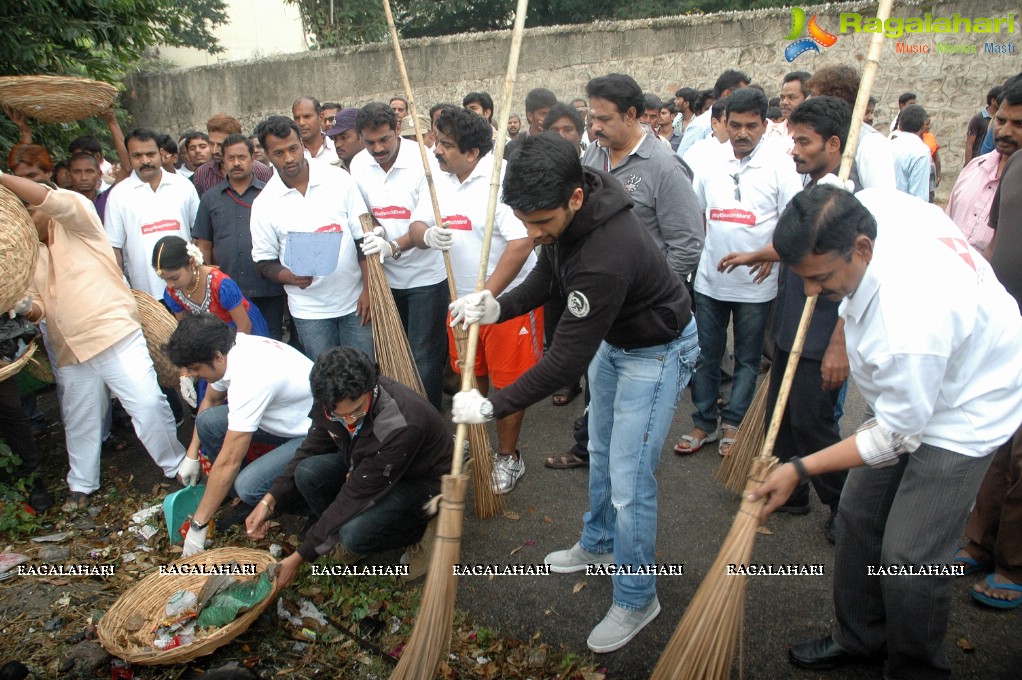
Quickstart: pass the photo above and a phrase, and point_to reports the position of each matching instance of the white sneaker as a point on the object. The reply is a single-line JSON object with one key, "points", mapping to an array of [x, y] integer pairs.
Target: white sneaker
{"points": [[506, 472], [575, 558], [620, 625]]}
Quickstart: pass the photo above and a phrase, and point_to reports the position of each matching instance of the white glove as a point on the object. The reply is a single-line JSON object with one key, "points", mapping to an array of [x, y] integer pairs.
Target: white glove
{"points": [[189, 471], [481, 308], [835, 181], [375, 244], [22, 306], [195, 541], [439, 238], [188, 391], [468, 408]]}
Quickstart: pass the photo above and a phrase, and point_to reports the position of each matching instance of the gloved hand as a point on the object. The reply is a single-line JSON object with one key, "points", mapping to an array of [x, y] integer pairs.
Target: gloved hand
{"points": [[835, 181], [195, 541], [188, 391], [22, 306], [375, 243], [471, 408], [481, 308], [439, 238], [189, 471]]}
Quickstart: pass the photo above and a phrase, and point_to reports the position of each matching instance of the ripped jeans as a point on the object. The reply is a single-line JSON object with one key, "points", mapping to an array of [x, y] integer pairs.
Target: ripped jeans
{"points": [[634, 396]]}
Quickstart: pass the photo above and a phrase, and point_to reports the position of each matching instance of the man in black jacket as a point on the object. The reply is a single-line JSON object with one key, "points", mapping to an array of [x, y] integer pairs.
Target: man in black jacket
{"points": [[629, 318], [372, 459]]}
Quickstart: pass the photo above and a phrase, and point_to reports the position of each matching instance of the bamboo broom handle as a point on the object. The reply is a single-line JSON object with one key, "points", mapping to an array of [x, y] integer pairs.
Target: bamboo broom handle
{"points": [[517, 35], [437, 217], [858, 111]]}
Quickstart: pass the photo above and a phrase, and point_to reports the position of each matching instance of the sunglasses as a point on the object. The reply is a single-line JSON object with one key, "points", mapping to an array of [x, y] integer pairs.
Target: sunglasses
{"points": [[347, 417]]}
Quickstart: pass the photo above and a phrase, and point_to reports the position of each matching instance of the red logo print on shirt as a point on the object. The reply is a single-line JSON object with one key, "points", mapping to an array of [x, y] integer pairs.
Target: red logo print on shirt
{"points": [[392, 212], [330, 227], [459, 222], [961, 248], [736, 215], [162, 225]]}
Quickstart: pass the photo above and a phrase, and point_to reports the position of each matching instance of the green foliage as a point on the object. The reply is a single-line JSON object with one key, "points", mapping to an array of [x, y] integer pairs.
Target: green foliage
{"points": [[15, 520]]}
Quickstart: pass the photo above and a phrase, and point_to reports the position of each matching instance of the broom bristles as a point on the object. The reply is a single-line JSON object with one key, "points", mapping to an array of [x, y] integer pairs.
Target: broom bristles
{"points": [[704, 644], [431, 635], [733, 471]]}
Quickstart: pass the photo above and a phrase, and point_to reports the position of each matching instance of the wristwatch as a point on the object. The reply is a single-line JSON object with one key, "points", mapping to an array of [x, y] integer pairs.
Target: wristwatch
{"points": [[397, 250], [198, 527], [486, 409]]}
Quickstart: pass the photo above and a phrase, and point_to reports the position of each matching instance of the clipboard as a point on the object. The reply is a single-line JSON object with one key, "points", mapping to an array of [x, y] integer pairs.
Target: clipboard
{"points": [[312, 254]]}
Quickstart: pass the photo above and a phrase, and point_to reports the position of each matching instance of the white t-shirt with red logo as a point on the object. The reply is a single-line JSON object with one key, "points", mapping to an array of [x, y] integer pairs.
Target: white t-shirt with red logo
{"points": [[463, 208], [332, 203], [137, 217], [391, 196], [742, 202]]}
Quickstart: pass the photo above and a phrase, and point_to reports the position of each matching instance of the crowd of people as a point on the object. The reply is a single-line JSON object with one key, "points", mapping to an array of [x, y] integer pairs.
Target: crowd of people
{"points": [[632, 233]]}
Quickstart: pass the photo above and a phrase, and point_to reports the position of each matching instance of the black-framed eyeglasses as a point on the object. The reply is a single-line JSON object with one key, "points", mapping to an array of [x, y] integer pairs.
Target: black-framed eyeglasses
{"points": [[347, 417], [738, 190]]}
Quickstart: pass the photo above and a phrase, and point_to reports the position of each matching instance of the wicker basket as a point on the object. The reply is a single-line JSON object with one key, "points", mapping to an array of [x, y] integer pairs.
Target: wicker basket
{"points": [[157, 326], [148, 598], [19, 243], [9, 369], [56, 99], [40, 369]]}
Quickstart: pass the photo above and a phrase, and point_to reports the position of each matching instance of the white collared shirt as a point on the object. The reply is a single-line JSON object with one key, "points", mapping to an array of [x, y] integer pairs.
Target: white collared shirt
{"points": [[332, 202], [326, 151], [391, 197], [463, 207], [267, 386], [137, 217], [767, 181], [932, 336]]}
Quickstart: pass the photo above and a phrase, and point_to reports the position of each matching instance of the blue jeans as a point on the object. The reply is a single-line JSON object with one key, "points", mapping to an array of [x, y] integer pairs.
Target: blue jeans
{"points": [[395, 521], [319, 335], [255, 478], [749, 325], [634, 396], [423, 312]]}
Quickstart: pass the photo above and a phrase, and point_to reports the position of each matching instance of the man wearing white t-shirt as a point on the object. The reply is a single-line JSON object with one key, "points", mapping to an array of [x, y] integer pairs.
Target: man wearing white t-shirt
{"points": [[267, 383], [390, 176], [508, 349], [742, 193], [932, 340], [145, 207], [309, 197]]}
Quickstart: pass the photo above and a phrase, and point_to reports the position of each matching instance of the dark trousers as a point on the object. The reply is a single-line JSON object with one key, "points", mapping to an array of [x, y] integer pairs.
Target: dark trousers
{"points": [[423, 312], [807, 426], [272, 307], [908, 513], [994, 529], [16, 429], [581, 447], [395, 521]]}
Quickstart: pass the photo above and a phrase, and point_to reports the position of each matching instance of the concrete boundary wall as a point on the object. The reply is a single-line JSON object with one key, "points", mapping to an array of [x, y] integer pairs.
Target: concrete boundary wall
{"points": [[662, 54]]}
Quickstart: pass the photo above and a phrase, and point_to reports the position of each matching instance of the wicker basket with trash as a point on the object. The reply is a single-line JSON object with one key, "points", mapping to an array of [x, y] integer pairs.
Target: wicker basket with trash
{"points": [[158, 325], [181, 614]]}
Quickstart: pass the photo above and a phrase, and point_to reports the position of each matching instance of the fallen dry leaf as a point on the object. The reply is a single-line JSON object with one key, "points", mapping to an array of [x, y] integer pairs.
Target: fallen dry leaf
{"points": [[512, 515], [764, 531], [965, 645], [517, 549], [577, 587], [546, 518]]}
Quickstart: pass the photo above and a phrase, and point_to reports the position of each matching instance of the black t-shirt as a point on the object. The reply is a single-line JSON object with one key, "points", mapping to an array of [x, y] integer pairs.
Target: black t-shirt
{"points": [[1006, 219], [978, 127]]}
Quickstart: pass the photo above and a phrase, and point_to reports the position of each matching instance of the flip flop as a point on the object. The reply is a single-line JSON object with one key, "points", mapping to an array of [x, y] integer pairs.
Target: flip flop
{"points": [[997, 602], [566, 395], [695, 443], [972, 566], [566, 461]]}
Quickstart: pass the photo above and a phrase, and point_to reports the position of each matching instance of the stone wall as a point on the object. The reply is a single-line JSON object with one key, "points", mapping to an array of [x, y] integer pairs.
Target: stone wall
{"points": [[662, 54]]}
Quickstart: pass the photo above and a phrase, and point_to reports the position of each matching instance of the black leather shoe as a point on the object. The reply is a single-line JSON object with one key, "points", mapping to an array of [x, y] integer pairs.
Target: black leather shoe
{"points": [[794, 509], [823, 654]]}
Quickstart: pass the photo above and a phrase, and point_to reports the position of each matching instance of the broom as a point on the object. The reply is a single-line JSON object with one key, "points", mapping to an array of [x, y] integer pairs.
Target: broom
{"points": [[488, 503], [704, 643], [393, 352], [734, 468], [431, 635]]}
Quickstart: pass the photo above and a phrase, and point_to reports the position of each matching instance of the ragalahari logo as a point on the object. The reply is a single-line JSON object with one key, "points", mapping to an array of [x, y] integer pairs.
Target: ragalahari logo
{"points": [[817, 36]]}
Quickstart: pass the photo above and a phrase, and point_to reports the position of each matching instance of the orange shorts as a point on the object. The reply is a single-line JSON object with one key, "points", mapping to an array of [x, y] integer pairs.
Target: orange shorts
{"points": [[506, 350]]}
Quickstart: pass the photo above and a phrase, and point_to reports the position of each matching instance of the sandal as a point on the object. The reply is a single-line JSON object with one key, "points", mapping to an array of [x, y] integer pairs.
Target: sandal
{"points": [[998, 602], [971, 565], [76, 500], [566, 395], [566, 462], [727, 441], [694, 443]]}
